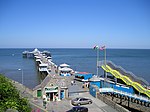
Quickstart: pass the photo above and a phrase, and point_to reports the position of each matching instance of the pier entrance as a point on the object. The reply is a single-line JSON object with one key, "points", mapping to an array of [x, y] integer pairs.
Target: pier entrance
{"points": [[51, 93], [51, 96]]}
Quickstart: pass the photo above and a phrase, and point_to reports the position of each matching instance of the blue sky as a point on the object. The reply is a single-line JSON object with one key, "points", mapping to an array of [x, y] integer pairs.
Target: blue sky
{"points": [[74, 23]]}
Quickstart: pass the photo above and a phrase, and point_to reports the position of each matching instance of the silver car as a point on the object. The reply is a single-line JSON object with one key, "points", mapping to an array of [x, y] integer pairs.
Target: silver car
{"points": [[81, 101]]}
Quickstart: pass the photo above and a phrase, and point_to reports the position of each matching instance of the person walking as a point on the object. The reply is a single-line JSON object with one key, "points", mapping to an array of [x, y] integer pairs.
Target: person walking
{"points": [[55, 98]]}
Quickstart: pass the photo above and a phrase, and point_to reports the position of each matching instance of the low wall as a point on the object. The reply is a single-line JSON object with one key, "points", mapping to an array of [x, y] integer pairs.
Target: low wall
{"points": [[111, 103], [140, 107], [21, 87], [28, 93]]}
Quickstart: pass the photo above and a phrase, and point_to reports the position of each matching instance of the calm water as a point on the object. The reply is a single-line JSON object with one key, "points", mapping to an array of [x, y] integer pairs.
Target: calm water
{"points": [[134, 60]]}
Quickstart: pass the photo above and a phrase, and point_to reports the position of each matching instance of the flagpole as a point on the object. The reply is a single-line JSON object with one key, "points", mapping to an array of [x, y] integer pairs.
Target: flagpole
{"points": [[97, 59], [105, 55], [105, 61]]}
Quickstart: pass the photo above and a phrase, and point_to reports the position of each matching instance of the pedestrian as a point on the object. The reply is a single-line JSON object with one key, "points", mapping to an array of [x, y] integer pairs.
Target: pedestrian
{"points": [[71, 82], [83, 85], [55, 98], [74, 81], [87, 85], [44, 103]]}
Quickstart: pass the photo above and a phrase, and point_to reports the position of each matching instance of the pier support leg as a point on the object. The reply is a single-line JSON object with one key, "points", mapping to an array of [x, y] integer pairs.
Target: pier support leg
{"points": [[141, 103], [128, 101], [115, 80], [112, 96], [104, 73], [120, 99]]}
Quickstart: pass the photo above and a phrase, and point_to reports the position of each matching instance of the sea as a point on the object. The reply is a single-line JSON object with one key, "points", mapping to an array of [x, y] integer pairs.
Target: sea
{"points": [[14, 66]]}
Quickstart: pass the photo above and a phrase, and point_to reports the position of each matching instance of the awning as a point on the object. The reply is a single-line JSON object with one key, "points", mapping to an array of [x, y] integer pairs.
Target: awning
{"points": [[65, 69], [43, 65], [64, 65]]}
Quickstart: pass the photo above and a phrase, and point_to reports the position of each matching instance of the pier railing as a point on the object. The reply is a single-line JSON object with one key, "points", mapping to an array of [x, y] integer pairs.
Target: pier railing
{"points": [[135, 96], [115, 102], [109, 102]]}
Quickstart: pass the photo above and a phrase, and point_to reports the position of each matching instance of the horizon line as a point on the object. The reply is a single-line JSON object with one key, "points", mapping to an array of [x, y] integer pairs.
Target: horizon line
{"points": [[64, 48]]}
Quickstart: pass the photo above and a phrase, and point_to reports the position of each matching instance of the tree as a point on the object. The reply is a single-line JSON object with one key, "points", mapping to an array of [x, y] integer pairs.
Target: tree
{"points": [[9, 97]]}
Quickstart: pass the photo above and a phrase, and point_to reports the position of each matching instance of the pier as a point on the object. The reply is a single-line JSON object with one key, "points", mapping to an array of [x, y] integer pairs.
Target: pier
{"points": [[56, 79]]}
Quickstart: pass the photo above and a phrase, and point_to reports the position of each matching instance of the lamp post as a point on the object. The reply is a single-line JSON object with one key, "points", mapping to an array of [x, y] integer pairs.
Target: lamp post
{"points": [[21, 75]]}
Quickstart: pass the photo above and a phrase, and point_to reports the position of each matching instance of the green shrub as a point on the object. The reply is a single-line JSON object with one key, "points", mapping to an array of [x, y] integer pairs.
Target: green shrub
{"points": [[9, 97]]}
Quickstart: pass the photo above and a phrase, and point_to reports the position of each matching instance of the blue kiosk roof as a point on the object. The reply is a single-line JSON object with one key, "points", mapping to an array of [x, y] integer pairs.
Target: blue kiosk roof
{"points": [[83, 73]]}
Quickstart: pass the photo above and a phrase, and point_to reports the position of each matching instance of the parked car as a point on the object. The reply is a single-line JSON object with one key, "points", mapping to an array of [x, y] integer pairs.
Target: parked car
{"points": [[78, 109], [81, 101]]}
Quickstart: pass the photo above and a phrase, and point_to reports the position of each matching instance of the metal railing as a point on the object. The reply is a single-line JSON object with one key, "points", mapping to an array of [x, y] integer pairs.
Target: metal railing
{"points": [[124, 72], [135, 96]]}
